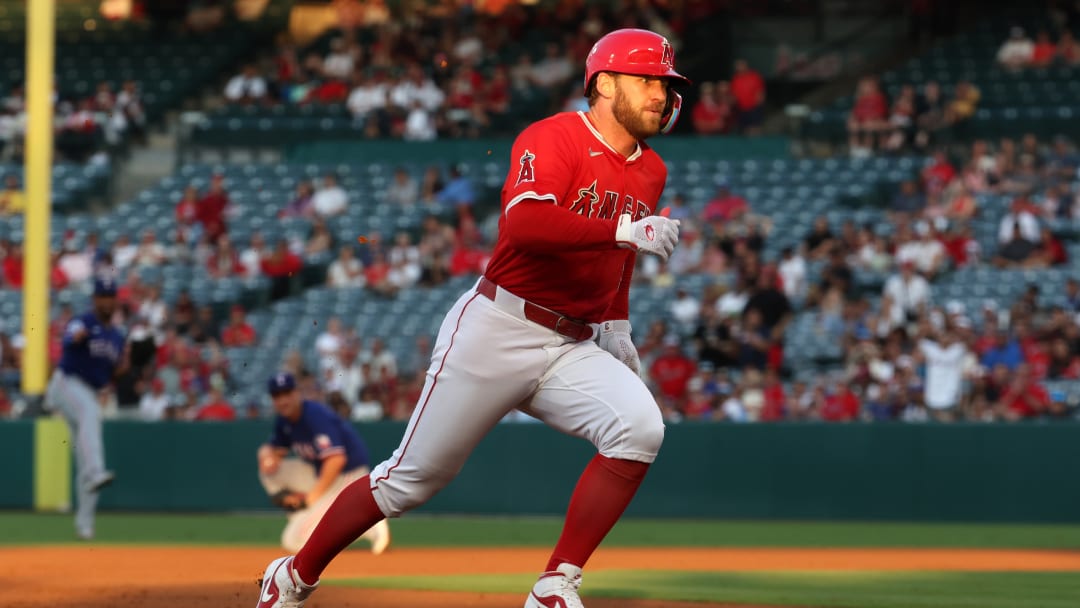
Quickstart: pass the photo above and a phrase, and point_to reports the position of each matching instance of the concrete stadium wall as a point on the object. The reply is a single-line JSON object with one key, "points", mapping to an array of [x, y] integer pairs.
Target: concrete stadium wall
{"points": [[787, 471]]}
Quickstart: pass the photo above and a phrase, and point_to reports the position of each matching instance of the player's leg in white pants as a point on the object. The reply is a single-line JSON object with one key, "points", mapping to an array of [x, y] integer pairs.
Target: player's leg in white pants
{"points": [[588, 393], [299, 476], [79, 406], [486, 362]]}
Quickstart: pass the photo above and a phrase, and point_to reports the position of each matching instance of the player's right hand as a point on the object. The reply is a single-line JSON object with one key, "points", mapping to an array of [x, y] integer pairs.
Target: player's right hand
{"points": [[655, 234]]}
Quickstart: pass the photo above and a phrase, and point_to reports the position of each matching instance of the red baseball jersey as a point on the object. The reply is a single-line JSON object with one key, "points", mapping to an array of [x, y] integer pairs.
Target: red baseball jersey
{"points": [[563, 160]]}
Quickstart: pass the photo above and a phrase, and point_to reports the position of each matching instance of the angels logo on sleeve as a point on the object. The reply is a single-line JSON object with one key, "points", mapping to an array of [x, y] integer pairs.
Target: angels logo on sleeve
{"points": [[526, 173]]}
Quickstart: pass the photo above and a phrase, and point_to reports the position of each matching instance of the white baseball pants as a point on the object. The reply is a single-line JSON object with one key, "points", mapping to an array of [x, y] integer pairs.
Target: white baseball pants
{"points": [[299, 476], [77, 402], [487, 361]]}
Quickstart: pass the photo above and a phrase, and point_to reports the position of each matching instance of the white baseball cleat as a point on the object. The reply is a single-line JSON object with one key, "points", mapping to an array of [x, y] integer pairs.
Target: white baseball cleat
{"points": [[557, 589], [282, 587], [380, 537]]}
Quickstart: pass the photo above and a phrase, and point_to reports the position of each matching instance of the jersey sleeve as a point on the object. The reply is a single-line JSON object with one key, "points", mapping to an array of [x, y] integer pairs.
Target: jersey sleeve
{"points": [[73, 327], [541, 165], [327, 438]]}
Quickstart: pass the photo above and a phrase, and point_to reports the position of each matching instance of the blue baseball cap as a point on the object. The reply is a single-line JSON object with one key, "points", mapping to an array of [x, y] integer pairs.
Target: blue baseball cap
{"points": [[104, 286], [281, 382]]}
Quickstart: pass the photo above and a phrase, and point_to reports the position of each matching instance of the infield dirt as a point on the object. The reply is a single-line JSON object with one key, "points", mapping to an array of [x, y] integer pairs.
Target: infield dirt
{"points": [[137, 576]]}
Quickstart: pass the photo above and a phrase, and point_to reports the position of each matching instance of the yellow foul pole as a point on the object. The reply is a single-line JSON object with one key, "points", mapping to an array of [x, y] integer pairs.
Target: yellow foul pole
{"points": [[40, 41]]}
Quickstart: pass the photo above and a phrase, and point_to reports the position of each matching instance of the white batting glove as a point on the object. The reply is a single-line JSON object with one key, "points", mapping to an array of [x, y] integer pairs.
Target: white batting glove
{"points": [[655, 234], [615, 339]]}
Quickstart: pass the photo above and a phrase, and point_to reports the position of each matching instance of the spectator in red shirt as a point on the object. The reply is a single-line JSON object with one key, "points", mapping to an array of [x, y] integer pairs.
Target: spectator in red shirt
{"points": [[868, 118], [13, 267], [725, 206], [748, 87], [238, 332], [211, 212], [187, 210], [1045, 50], [224, 262], [217, 408], [841, 404], [712, 112], [1024, 397], [329, 91], [937, 176], [1050, 251], [280, 266], [497, 92], [672, 370], [774, 406]]}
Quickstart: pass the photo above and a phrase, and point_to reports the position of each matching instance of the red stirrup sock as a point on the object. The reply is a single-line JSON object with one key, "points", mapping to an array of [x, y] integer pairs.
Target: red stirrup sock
{"points": [[353, 512], [602, 494]]}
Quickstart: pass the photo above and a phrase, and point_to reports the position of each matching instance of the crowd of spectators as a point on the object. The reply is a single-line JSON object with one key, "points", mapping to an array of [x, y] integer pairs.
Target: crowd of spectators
{"points": [[81, 125], [906, 354], [916, 119], [1020, 52], [731, 106], [437, 74]]}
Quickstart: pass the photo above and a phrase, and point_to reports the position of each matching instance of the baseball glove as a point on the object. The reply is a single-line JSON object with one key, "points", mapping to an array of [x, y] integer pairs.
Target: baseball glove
{"points": [[282, 499]]}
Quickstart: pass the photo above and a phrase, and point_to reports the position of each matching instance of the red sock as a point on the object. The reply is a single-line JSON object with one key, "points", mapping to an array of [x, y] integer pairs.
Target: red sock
{"points": [[353, 512], [602, 494]]}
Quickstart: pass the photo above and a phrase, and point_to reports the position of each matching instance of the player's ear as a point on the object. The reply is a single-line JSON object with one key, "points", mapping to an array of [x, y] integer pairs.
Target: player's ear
{"points": [[605, 84]]}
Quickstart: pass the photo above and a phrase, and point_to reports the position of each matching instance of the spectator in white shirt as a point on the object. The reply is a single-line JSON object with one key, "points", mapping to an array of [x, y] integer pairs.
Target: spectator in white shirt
{"points": [[416, 87], [149, 251], [945, 362], [685, 310], [252, 256], [909, 293], [366, 101], [154, 310], [246, 87], [1017, 51], [1022, 213], [77, 266], [419, 125], [554, 69], [154, 402], [346, 270], [329, 343], [123, 252], [792, 270], [331, 199], [341, 60], [383, 362], [926, 252]]}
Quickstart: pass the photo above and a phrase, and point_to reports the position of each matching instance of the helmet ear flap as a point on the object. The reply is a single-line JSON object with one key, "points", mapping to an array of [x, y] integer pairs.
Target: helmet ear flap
{"points": [[671, 112]]}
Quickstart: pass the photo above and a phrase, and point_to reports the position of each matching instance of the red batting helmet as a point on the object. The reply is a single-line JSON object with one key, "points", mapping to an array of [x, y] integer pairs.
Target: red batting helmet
{"points": [[632, 51], [642, 53]]}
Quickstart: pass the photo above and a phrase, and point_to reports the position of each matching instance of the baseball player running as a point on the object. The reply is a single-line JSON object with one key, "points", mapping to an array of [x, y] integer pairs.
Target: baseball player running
{"points": [[330, 456], [545, 330], [94, 353]]}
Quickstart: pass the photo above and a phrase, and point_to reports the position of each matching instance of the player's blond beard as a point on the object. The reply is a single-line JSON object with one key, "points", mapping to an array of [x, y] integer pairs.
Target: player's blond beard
{"points": [[633, 120]]}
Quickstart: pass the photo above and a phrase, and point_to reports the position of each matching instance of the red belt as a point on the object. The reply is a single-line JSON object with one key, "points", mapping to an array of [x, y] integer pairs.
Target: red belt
{"points": [[565, 326]]}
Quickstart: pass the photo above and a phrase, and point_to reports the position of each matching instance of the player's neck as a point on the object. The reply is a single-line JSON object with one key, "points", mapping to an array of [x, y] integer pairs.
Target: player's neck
{"points": [[613, 133]]}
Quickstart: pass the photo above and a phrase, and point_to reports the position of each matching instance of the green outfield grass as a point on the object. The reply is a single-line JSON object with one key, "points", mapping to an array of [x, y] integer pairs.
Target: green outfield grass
{"points": [[832, 589], [17, 528]]}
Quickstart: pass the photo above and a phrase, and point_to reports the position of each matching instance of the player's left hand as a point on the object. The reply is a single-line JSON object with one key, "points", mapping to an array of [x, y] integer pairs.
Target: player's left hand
{"points": [[615, 338]]}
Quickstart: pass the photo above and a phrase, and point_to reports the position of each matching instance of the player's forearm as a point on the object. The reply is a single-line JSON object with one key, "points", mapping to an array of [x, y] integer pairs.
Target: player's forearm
{"points": [[331, 468], [542, 227]]}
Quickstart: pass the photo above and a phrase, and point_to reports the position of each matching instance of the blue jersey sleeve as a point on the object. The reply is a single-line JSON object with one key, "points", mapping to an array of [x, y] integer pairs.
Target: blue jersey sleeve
{"points": [[327, 438], [74, 326]]}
